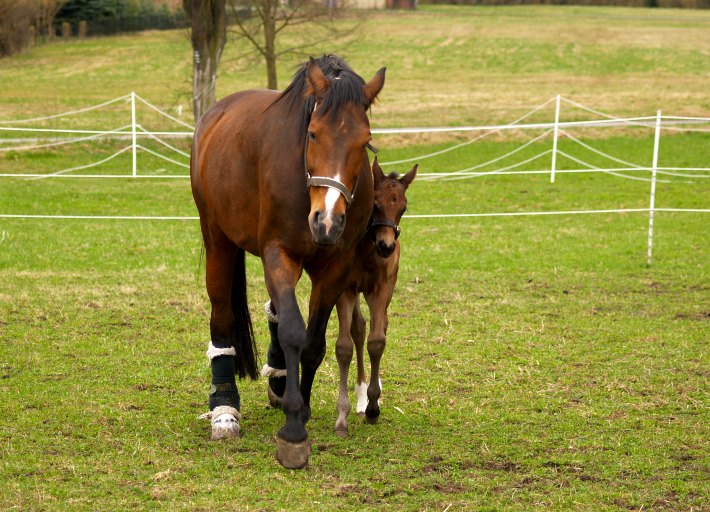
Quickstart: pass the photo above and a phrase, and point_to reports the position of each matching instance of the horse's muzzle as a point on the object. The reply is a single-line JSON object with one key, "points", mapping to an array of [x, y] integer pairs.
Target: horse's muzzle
{"points": [[326, 229]]}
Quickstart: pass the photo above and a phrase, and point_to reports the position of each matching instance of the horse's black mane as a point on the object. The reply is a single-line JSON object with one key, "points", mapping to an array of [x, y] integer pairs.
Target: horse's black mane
{"points": [[346, 86]]}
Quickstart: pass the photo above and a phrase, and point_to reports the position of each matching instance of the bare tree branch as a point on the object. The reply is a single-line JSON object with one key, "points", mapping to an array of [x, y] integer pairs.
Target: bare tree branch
{"points": [[267, 20]]}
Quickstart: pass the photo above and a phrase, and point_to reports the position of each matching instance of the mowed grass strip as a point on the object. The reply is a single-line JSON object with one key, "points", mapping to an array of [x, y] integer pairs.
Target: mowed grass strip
{"points": [[532, 362], [446, 65]]}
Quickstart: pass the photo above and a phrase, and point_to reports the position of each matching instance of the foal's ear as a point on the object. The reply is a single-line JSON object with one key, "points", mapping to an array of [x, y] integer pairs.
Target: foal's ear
{"points": [[408, 178], [377, 173], [374, 86], [318, 84]]}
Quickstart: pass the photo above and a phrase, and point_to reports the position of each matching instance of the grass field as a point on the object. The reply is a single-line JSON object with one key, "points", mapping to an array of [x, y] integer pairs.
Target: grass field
{"points": [[532, 361]]}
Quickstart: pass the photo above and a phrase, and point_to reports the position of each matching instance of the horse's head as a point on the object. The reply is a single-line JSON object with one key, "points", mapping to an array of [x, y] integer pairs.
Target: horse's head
{"points": [[337, 134], [390, 205]]}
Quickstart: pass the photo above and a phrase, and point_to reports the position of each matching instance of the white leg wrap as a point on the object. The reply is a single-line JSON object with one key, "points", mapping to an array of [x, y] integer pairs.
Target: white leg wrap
{"points": [[213, 351], [268, 371], [225, 422], [273, 317]]}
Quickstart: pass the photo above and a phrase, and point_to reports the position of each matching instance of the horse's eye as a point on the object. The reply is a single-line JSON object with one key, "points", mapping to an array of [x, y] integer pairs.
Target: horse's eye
{"points": [[311, 136]]}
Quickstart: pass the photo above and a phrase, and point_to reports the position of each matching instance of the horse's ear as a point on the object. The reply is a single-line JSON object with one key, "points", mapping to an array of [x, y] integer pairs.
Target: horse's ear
{"points": [[318, 84], [377, 173], [374, 86], [408, 178]]}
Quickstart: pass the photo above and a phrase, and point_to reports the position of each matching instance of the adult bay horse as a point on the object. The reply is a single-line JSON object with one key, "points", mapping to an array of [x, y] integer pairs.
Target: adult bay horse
{"points": [[374, 275], [286, 177]]}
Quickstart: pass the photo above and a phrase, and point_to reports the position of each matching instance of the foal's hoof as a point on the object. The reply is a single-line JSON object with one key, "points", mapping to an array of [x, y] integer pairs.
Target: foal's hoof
{"points": [[372, 414], [225, 423], [274, 399], [292, 455]]}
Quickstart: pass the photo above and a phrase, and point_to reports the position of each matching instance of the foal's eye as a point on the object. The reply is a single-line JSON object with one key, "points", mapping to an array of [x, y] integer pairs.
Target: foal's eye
{"points": [[311, 136]]}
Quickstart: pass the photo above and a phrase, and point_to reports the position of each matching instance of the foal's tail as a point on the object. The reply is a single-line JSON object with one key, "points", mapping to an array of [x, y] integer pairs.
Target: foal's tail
{"points": [[244, 343]]}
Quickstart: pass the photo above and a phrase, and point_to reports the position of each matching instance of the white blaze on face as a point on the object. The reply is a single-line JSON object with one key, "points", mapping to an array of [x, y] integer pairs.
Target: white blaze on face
{"points": [[331, 198]]}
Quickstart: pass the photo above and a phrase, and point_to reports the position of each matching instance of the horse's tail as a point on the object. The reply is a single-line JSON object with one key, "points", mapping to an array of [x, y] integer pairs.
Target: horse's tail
{"points": [[244, 343]]}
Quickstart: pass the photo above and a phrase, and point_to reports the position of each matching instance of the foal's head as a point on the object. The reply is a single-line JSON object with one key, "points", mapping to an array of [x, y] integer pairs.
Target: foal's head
{"points": [[337, 131], [390, 205]]}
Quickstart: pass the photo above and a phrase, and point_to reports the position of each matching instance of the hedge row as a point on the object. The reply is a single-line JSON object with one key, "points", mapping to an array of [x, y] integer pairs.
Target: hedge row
{"points": [[688, 4]]}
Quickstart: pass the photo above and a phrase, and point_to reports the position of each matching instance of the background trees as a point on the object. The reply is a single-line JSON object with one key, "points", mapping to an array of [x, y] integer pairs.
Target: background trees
{"points": [[22, 22], [208, 33]]}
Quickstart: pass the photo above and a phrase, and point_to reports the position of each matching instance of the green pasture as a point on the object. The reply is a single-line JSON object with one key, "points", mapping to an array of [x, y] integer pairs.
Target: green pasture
{"points": [[533, 361]]}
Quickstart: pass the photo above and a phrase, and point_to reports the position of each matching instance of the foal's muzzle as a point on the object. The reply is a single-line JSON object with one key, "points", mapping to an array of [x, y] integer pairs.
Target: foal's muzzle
{"points": [[385, 250]]}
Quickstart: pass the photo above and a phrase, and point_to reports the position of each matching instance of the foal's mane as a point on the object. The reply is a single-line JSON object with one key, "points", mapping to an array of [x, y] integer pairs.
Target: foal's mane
{"points": [[346, 86]]}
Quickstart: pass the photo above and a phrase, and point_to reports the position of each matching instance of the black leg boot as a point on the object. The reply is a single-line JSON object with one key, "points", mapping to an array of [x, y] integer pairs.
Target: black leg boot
{"points": [[224, 398], [275, 368]]}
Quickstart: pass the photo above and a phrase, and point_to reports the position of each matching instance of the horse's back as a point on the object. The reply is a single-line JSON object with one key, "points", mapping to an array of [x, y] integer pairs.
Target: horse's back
{"points": [[224, 165]]}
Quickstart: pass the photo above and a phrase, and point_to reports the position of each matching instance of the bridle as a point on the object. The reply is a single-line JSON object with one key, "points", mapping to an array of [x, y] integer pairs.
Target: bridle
{"points": [[323, 181], [386, 223]]}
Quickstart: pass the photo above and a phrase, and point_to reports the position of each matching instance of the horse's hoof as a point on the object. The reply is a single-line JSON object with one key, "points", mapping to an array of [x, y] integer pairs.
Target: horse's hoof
{"points": [[370, 420], [274, 399], [225, 423], [292, 455], [341, 432]]}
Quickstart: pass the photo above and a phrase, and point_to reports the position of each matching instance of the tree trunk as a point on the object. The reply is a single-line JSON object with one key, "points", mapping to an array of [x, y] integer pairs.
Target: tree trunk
{"points": [[209, 35], [270, 7]]}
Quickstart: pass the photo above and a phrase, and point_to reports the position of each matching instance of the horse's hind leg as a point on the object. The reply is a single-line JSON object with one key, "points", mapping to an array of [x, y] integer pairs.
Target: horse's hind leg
{"points": [[344, 354], [275, 367], [224, 400]]}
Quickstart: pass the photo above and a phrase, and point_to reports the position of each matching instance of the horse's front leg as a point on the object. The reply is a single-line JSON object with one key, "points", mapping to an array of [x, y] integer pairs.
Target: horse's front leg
{"points": [[344, 355], [282, 274], [328, 282]]}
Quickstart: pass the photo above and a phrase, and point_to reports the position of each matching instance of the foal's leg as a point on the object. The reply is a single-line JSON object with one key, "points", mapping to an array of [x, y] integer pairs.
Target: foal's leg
{"points": [[224, 402], [376, 341], [344, 354], [377, 302], [357, 331]]}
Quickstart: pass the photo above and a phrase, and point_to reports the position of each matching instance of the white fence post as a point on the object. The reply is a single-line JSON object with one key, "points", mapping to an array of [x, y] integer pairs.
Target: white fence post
{"points": [[133, 130], [554, 140], [656, 141]]}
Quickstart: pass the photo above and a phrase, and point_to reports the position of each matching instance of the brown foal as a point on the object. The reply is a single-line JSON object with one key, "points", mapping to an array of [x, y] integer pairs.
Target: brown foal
{"points": [[374, 275]]}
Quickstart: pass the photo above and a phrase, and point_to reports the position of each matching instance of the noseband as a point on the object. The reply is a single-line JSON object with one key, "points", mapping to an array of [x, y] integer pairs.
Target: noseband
{"points": [[387, 223]]}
